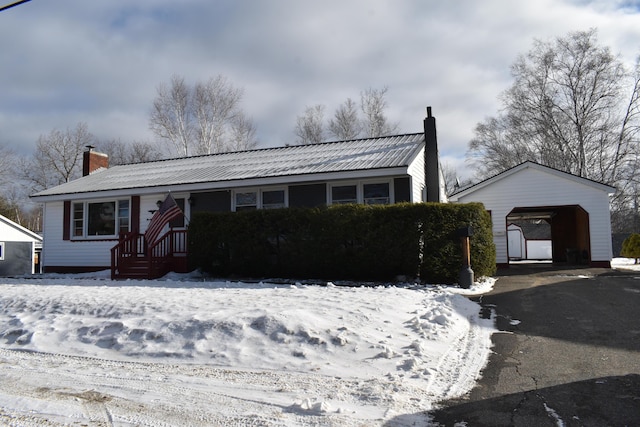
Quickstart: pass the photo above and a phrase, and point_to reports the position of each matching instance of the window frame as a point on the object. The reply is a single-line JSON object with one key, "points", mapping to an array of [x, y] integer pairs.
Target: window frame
{"points": [[359, 184], [259, 192], [366, 199], [242, 207], [342, 201], [82, 221], [285, 201]]}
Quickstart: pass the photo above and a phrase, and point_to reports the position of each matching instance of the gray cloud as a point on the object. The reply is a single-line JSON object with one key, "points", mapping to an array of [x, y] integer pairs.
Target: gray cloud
{"points": [[69, 61]]}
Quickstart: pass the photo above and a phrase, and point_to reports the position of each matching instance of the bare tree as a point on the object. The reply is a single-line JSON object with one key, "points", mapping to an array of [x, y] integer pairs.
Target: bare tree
{"points": [[140, 151], [373, 104], [171, 115], [7, 164], [216, 104], [198, 119], [567, 109], [121, 153], [58, 157], [345, 124], [242, 135], [452, 181], [310, 127]]}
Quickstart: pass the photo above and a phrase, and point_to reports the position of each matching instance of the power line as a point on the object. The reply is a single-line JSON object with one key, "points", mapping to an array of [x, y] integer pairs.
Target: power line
{"points": [[10, 5]]}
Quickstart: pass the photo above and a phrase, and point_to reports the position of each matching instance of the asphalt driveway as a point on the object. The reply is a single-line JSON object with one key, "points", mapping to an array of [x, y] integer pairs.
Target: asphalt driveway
{"points": [[568, 353]]}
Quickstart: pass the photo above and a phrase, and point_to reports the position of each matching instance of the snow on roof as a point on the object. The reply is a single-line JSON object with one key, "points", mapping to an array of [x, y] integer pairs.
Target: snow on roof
{"points": [[330, 157]]}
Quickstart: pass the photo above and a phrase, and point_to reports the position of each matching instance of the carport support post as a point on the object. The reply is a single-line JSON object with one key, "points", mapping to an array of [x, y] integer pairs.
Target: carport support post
{"points": [[465, 278]]}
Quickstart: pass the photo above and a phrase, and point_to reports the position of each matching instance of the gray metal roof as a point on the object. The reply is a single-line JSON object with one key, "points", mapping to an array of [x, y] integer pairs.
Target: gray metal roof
{"points": [[362, 154]]}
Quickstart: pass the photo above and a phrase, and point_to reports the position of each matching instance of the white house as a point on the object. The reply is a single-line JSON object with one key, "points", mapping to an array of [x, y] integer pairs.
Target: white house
{"points": [[19, 249], [84, 220], [577, 209]]}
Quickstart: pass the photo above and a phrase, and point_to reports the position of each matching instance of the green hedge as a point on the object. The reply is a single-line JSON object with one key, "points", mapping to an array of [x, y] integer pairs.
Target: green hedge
{"points": [[354, 242]]}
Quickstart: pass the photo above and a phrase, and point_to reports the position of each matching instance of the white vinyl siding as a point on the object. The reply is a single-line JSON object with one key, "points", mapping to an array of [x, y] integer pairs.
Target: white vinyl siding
{"points": [[69, 253], [416, 171]]}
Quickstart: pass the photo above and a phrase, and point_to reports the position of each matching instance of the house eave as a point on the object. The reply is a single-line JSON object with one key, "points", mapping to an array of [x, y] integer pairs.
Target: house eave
{"points": [[228, 185]]}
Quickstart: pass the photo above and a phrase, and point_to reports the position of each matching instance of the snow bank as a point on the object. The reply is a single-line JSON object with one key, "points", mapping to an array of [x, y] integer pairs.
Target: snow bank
{"points": [[429, 343]]}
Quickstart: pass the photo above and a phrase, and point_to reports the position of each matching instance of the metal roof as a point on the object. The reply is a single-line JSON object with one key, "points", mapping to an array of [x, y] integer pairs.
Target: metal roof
{"points": [[330, 157]]}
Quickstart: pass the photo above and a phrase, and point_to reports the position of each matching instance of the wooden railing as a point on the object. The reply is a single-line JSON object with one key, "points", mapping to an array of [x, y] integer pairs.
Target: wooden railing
{"points": [[168, 253], [133, 258]]}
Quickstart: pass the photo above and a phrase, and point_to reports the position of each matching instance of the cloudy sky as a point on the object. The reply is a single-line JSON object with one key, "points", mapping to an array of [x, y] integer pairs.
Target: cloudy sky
{"points": [[68, 61]]}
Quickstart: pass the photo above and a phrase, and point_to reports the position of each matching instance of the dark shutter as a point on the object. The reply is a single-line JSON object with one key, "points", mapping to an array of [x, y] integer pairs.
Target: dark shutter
{"points": [[402, 189], [135, 214], [308, 195], [66, 221]]}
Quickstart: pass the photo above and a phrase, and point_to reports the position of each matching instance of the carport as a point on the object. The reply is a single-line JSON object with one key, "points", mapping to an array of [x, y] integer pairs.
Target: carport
{"points": [[570, 241], [576, 208]]}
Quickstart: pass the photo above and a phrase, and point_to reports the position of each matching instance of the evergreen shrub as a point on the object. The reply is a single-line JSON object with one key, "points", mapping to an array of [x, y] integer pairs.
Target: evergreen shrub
{"points": [[343, 242], [631, 247]]}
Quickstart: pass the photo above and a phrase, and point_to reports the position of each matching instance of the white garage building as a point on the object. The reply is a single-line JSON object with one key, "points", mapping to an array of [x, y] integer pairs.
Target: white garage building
{"points": [[576, 208]]}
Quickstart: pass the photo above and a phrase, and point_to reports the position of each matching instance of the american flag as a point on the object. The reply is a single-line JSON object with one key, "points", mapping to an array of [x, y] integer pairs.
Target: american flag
{"points": [[168, 210]]}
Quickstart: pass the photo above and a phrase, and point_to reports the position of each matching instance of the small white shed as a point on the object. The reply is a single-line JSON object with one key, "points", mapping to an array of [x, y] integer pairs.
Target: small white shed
{"points": [[577, 209], [19, 249]]}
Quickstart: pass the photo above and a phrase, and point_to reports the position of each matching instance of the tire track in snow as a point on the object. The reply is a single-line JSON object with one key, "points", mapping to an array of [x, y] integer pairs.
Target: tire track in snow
{"points": [[458, 369], [98, 392]]}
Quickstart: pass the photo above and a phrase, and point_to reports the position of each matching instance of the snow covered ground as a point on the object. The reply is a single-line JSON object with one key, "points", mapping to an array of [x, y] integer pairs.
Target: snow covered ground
{"points": [[84, 350]]}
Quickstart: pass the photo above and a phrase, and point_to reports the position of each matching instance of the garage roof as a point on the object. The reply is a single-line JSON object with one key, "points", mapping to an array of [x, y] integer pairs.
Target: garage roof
{"points": [[529, 164]]}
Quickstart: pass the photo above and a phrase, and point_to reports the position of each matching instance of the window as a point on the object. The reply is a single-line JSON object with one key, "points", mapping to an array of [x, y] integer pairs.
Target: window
{"points": [[273, 199], [376, 194], [123, 216], [106, 218], [78, 219], [369, 193], [1, 251], [259, 199], [246, 201], [344, 194], [102, 219]]}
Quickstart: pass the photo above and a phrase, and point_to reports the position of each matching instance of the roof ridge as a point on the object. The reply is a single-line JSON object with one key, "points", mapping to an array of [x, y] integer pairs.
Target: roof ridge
{"points": [[280, 147]]}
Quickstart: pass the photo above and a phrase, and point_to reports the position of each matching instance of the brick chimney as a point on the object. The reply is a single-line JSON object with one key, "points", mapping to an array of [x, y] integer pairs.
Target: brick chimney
{"points": [[431, 159], [92, 161]]}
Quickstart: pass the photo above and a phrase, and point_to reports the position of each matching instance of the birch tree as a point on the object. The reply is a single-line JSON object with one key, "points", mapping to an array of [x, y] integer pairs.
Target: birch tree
{"points": [[199, 119], [572, 106], [171, 116], [349, 121], [375, 123], [310, 126], [345, 123], [242, 134]]}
